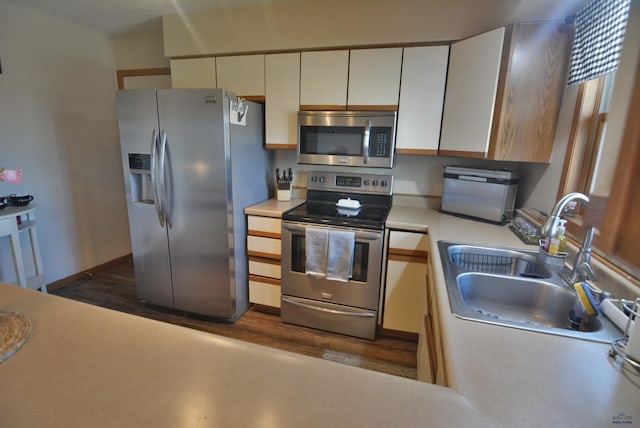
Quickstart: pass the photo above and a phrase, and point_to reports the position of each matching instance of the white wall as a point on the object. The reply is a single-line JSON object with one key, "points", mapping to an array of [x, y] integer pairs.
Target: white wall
{"points": [[141, 48], [298, 24], [58, 123]]}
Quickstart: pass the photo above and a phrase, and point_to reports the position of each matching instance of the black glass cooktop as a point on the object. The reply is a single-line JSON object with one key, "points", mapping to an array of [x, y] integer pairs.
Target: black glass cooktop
{"points": [[372, 213]]}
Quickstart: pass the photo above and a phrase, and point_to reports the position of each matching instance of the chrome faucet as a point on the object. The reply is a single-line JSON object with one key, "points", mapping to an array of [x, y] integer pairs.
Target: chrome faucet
{"points": [[550, 227], [581, 269]]}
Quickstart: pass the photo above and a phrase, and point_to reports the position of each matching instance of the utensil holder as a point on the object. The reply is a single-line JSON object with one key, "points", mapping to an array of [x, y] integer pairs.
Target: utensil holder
{"points": [[553, 262], [283, 191]]}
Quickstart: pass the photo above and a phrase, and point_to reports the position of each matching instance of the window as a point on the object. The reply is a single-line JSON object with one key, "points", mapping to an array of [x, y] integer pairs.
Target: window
{"points": [[605, 163], [617, 214]]}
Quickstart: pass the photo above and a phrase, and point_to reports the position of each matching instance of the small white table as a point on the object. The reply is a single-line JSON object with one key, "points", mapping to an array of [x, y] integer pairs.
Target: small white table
{"points": [[9, 227]]}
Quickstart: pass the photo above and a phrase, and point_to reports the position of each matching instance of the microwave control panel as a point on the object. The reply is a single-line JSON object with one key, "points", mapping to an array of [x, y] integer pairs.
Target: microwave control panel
{"points": [[380, 142]]}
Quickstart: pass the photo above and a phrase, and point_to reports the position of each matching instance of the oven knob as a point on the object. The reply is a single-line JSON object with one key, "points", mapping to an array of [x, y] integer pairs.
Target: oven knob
{"points": [[375, 183], [367, 181], [383, 183], [314, 179], [321, 179]]}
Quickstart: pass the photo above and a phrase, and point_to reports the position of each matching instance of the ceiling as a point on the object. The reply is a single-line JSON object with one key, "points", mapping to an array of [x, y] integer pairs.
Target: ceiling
{"points": [[119, 16]]}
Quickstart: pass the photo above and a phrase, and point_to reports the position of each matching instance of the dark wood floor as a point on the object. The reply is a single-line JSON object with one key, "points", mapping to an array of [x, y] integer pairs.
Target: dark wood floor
{"points": [[113, 286]]}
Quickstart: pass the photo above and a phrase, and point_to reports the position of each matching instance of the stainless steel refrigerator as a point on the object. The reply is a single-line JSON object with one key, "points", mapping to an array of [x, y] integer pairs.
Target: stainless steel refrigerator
{"points": [[189, 173]]}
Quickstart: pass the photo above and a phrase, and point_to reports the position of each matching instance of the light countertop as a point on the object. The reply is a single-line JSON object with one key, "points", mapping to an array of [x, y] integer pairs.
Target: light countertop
{"points": [[522, 378], [272, 207], [86, 366]]}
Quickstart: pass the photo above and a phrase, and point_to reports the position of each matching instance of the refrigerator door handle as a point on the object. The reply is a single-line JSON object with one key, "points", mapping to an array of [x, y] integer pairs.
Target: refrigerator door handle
{"points": [[154, 181], [166, 210]]}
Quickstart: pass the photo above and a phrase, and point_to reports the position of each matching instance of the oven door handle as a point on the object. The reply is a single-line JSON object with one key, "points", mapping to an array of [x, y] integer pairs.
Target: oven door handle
{"points": [[331, 311], [359, 235]]}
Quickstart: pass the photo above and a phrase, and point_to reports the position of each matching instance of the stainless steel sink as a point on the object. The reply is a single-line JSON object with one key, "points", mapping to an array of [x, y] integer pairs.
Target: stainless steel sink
{"points": [[508, 287], [500, 261]]}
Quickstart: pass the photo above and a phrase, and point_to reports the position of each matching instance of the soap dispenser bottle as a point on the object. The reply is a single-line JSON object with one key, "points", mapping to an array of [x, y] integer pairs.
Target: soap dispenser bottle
{"points": [[562, 238], [557, 240]]}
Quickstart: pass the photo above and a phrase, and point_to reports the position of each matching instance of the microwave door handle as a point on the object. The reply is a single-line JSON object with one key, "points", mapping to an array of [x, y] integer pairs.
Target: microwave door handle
{"points": [[365, 141]]}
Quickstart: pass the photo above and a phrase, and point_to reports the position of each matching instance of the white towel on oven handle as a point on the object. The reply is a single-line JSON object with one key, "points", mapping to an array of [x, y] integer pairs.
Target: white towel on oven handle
{"points": [[340, 255], [316, 245]]}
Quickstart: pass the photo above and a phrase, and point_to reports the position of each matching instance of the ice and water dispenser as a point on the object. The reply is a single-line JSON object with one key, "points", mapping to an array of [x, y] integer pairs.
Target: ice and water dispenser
{"points": [[140, 176]]}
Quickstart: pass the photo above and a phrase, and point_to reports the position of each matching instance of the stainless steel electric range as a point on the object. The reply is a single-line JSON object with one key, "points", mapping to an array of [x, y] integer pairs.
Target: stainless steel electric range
{"points": [[332, 248]]}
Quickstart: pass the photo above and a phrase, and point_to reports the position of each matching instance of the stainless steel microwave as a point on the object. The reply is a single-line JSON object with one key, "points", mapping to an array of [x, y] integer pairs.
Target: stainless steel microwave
{"points": [[347, 138]]}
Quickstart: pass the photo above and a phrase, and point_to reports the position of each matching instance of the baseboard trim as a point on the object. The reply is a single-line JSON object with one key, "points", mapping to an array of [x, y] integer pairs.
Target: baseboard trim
{"points": [[402, 335]]}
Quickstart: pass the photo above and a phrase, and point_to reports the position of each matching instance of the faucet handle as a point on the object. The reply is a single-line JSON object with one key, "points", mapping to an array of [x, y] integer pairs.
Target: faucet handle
{"points": [[586, 271]]}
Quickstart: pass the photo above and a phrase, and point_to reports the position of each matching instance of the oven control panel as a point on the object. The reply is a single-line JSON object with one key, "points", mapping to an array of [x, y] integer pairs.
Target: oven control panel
{"points": [[350, 182]]}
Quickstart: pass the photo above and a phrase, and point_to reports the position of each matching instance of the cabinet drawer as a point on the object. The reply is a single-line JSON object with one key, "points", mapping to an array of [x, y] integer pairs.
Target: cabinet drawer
{"points": [[408, 243], [263, 247], [265, 267], [264, 293], [264, 226]]}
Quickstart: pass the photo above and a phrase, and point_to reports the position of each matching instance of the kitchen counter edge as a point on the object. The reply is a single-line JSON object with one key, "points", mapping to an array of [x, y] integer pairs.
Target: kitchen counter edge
{"points": [[272, 207], [517, 377]]}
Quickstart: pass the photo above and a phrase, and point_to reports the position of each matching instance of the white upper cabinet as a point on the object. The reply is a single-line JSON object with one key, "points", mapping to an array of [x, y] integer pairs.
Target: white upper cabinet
{"points": [[323, 80], [474, 70], [504, 93], [243, 75], [193, 73], [374, 78], [282, 100], [424, 76]]}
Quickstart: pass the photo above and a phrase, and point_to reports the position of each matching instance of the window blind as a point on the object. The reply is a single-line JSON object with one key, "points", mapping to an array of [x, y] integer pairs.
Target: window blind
{"points": [[599, 32]]}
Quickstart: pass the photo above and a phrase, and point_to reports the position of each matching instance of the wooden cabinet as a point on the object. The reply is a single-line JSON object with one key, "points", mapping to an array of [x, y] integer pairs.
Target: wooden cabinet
{"points": [[243, 75], [504, 91], [282, 100], [424, 76], [263, 249], [433, 332], [193, 73], [374, 79], [405, 288], [323, 80]]}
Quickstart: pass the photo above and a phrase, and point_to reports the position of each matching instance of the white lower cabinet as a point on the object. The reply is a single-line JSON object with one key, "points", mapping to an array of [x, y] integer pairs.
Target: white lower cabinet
{"points": [[263, 250], [405, 282]]}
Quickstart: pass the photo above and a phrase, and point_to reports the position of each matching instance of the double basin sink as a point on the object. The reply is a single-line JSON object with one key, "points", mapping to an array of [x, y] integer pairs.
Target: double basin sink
{"points": [[511, 288]]}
